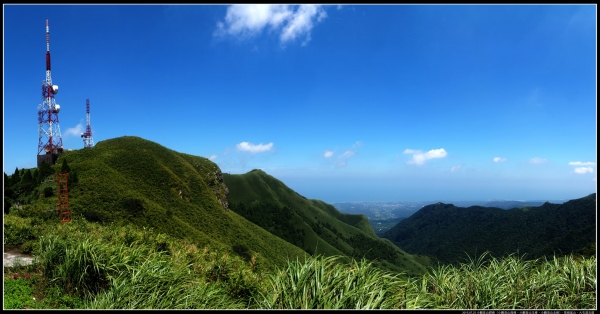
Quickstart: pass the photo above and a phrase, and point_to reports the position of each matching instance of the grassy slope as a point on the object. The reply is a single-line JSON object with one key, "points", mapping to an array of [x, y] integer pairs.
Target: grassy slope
{"points": [[322, 228], [129, 179], [88, 266], [447, 232]]}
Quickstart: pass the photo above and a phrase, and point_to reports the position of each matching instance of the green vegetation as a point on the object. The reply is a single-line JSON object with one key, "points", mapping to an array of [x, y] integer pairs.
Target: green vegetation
{"points": [[447, 233], [88, 265], [127, 268], [25, 186], [314, 226], [17, 294], [129, 180], [83, 265], [327, 283]]}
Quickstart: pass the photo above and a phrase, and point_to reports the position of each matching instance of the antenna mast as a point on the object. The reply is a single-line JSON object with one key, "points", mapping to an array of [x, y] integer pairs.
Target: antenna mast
{"points": [[87, 136], [50, 139]]}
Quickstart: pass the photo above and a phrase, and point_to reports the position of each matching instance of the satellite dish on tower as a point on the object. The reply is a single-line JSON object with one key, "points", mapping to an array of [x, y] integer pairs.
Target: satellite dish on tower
{"points": [[49, 136]]}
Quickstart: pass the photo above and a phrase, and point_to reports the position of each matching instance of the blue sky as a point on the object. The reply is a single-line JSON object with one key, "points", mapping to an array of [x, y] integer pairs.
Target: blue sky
{"points": [[341, 103]]}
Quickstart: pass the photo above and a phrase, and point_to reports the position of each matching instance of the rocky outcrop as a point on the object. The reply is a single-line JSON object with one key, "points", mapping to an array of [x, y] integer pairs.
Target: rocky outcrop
{"points": [[14, 257], [219, 189]]}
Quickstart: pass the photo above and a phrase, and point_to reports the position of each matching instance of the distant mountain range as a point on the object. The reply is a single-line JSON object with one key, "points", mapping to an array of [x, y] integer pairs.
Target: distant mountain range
{"points": [[384, 215], [448, 233], [394, 210], [506, 204]]}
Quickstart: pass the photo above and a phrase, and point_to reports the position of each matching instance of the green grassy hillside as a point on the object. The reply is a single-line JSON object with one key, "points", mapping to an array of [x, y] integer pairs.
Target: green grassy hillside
{"points": [[83, 265], [132, 180], [313, 225], [447, 232]]}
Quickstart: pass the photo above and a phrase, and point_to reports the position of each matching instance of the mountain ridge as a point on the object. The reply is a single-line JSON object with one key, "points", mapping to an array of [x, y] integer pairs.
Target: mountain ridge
{"points": [[447, 232], [265, 200]]}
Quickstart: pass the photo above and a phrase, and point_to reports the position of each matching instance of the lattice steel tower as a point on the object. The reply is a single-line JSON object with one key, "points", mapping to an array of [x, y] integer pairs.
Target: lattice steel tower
{"points": [[87, 136], [50, 139], [62, 191]]}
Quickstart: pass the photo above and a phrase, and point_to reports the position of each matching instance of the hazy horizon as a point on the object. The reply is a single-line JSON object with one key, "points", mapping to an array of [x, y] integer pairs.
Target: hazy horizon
{"points": [[440, 200]]}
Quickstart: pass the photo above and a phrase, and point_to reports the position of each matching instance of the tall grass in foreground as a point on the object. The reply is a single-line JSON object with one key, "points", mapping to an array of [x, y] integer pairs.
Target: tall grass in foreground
{"points": [[128, 268], [124, 268], [510, 283], [514, 283], [326, 283]]}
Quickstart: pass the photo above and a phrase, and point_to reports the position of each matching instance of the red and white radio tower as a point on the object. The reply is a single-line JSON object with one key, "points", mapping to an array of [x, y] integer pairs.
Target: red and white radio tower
{"points": [[87, 136], [50, 140]]}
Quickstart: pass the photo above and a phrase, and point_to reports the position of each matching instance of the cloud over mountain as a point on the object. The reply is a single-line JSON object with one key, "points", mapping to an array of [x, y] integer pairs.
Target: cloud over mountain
{"points": [[252, 148]]}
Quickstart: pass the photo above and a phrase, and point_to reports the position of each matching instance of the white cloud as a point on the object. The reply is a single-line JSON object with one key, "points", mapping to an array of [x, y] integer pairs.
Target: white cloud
{"points": [[537, 160], [419, 158], [579, 163], [302, 22], [212, 157], [582, 170], [251, 19], [290, 21], [341, 163], [411, 151], [249, 147], [455, 168], [499, 159], [347, 154], [76, 131], [342, 160]]}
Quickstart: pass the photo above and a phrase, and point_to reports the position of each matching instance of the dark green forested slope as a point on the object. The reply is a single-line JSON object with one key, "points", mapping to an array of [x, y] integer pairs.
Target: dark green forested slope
{"points": [[132, 180], [312, 225], [447, 232]]}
